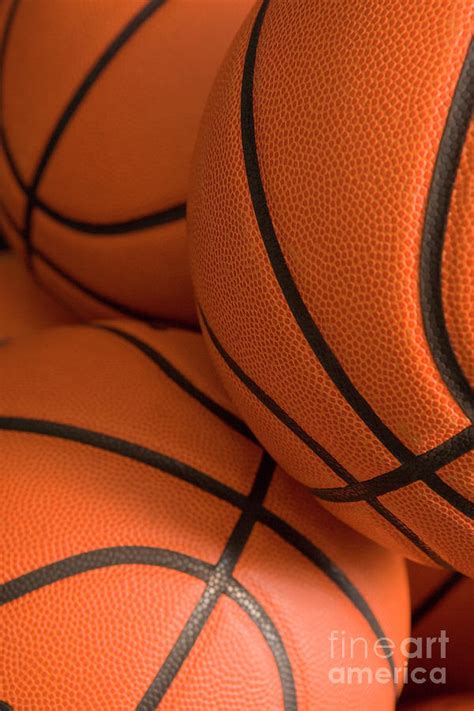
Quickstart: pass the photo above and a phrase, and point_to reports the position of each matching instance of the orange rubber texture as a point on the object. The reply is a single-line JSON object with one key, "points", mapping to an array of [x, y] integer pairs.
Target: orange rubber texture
{"points": [[316, 217], [123, 461], [114, 153], [24, 306]]}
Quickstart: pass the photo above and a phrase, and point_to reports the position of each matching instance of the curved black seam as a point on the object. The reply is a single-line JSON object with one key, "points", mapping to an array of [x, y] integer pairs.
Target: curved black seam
{"points": [[216, 586], [110, 303], [202, 481], [422, 469], [281, 270], [120, 227], [151, 321], [111, 229], [325, 564], [315, 447], [102, 558], [166, 367], [427, 605], [144, 555], [433, 238], [102, 63], [124, 448]]}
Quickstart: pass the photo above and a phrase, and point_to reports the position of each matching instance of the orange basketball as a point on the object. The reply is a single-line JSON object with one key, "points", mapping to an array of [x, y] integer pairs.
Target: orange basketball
{"points": [[24, 307], [331, 220], [441, 601], [100, 106], [152, 554]]}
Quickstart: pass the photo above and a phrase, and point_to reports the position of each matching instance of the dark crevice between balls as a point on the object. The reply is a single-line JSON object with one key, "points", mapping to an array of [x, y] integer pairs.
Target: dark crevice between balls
{"points": [[427, 605]]}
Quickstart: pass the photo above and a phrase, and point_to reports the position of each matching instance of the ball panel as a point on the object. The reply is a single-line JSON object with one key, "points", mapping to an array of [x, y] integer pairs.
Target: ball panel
{"points": [[230, 666], [88, 499], [95, 640], [106, 398], [143, 123]]}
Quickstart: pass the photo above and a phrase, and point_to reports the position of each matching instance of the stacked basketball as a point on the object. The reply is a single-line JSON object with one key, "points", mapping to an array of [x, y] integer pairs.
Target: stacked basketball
{"points": [[156, 547]]}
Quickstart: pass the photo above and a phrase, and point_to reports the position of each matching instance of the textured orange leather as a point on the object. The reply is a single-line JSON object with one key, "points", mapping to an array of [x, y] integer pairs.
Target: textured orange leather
{"points": [[320, 186], [100, 107], [454, 702], [442, 601], [151, 553], [458, 263], [24, 307]]}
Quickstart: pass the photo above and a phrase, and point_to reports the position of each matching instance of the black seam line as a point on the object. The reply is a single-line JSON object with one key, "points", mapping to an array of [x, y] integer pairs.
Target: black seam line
{"points": [[144, 555], [319, 558], [101, 558], [216, 586], [427, 605], [433, 238], [102, 63], [186, 473], [110, 303], [166, 367], [315, 447], [112, 229], [9, 218], [124, 448], [422, 469], [151, 321], [294, 300]]}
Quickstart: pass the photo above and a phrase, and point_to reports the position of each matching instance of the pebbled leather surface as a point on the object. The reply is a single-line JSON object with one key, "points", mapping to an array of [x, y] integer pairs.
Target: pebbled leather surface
{"points": [[350, 102], [97, 637]]}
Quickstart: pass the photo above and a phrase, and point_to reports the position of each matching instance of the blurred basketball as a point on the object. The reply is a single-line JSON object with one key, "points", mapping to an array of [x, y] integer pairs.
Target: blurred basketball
{"points": [[442, 606], [100, 103], [153, 554], [331, 222], [24, 307]]}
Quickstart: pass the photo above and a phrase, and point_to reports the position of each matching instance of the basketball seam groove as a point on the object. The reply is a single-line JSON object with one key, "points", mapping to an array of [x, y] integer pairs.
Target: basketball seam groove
{"points": [[216, 586], [170, 370], [315, 447], [433, 238], [153, 556], [205, 483], [122, 309], [118, 228]]}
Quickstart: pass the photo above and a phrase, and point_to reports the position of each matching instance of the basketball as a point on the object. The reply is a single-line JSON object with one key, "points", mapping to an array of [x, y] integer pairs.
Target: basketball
{"points": [[332, 248], [100, 103], [442, 604], [24, 307], [153, 555]]}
